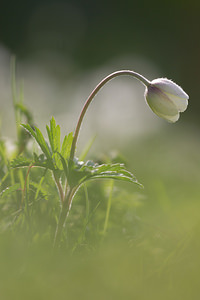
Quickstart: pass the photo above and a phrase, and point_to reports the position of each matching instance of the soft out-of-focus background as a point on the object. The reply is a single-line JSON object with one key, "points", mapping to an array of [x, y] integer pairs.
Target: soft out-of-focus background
{"points": [[63, 49]]}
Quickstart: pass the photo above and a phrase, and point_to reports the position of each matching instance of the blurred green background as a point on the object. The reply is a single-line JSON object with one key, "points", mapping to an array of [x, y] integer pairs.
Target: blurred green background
{"points": [[75, 36], [91, 33], [63, 49]]}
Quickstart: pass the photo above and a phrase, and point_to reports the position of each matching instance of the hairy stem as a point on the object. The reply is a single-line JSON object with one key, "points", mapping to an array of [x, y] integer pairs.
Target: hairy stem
{"points": [[92, 95], [60, 189], [63, 215]]}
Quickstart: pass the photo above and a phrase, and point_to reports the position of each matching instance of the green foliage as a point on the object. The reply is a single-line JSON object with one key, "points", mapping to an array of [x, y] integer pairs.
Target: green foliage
{"points": [[51, 157], [81, 172], [36, 133], [66, 146], [20, 162], [69, 174], [34, 192], [141, 244], [56, 158]]}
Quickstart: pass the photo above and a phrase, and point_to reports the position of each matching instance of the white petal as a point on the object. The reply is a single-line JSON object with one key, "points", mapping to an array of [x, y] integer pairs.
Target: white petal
{"points": [[170, 87], [180, 103], [171, 119], [160, 103]]}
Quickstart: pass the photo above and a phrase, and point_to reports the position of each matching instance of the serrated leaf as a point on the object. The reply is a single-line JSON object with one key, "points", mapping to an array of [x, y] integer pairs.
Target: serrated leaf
{"points": [[66, 146], [20, 162], [114, 171], [109, 167], [41, 141], [38, 161], [64, 165], [49, 135], [116, 176], [36, 133], [41, 161], [54, 135], [81, 172], [123, 176]]}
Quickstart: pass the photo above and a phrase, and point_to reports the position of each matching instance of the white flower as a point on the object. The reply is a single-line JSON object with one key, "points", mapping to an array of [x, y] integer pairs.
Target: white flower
{"points": [[166, 99]]}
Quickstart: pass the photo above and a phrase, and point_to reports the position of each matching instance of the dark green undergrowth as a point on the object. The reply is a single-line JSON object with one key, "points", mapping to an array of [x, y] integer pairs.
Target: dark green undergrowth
{"points": [[150, 249]]}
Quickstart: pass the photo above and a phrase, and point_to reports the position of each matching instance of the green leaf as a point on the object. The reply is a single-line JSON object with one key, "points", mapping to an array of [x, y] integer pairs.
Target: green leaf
{"points": [[54, 135], [41, 161], [54, 139], [64, 164], [81, 172], [66, 146], [36, 133], [112, 171], [55, 156], [38, 161], [20, 162]]}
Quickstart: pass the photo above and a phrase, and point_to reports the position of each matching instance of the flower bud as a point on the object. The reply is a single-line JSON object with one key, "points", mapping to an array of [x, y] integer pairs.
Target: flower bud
{"points": [[166, 99]]}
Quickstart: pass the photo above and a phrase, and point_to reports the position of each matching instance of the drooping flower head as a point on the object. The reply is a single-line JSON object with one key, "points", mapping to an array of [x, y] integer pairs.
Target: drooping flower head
{"points": [[166, 99]]}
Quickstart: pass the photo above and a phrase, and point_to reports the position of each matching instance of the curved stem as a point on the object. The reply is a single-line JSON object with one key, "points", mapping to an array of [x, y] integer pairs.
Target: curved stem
{"points": [[92, 95]]}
